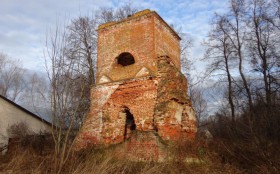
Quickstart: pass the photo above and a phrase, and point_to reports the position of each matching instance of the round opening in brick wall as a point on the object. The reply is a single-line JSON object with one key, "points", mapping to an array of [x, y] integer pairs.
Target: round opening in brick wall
{"points": [[125, 59]]}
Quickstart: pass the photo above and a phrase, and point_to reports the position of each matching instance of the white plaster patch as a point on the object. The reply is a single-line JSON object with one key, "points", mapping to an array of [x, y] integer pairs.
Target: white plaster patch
{"points": [[190, 113], [107, 91], [143, 72], [142, 122], [179, 113], [104, 79]]}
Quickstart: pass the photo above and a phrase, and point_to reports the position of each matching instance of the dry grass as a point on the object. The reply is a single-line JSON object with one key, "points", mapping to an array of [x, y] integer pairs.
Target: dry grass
{"points": [[248, 149], [221, 155], [103, 162]]}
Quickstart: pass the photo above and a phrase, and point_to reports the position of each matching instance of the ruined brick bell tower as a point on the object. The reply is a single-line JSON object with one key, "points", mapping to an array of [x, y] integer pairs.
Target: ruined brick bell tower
{"points": [[140, 91]]}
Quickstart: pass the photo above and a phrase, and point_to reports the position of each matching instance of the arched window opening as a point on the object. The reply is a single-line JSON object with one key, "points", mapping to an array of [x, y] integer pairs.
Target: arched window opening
{"points": [[129, 124], [125, 59]]}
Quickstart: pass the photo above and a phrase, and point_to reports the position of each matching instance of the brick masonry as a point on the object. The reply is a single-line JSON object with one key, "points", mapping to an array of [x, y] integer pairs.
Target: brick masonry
{"points": [[152, 90]]}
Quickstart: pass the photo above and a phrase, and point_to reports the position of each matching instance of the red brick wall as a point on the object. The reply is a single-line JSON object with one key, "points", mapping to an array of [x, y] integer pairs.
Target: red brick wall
{"points": [[158, 101], [139, 97], [174, 116], [166, 43], [134, 36], [145, 37], [105, 122], [143, 146]]}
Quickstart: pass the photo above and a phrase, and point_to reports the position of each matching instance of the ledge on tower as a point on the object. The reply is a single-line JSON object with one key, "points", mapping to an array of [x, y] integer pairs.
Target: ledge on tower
{"points": [[137, 15]]}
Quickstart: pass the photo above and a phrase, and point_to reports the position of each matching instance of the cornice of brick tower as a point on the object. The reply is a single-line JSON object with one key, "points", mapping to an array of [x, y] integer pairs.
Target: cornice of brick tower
{"points": [[140, 99], [137, 15]]}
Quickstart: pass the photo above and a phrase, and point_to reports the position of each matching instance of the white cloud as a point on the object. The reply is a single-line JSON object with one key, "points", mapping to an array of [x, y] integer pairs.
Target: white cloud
{"points": [[24, 23]]}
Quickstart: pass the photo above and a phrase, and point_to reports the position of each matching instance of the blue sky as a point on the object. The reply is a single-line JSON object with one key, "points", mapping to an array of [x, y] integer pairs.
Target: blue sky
{"points": [[23, 23]]}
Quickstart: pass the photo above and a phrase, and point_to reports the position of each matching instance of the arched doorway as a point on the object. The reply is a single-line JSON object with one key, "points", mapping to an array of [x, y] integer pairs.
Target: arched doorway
{"points": [[129, 123]]}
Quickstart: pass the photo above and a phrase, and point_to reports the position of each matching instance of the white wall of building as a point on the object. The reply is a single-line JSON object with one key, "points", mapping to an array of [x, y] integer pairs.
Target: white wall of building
{"points": [[11, 114]]}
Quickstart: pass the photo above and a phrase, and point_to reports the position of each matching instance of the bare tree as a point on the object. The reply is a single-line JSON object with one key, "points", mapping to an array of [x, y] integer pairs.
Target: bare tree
{"points": [[219, 54], [125, 11], [249, 35], [65, 98], [82, 45], [199, 104], [70, 61], [105, 15], [81, 49], [263, 43], [39, 91], [12, 82], [236, 34], [187, 64]]}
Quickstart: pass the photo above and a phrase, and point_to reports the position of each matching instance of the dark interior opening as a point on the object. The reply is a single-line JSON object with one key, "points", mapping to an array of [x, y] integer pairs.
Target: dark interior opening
{"points": [[129, 120], [129, 123], [125, 59]]}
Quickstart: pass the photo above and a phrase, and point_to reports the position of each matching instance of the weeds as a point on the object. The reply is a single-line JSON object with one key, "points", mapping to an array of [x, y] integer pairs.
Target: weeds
{"points": [[99, 161], [228, 151]]}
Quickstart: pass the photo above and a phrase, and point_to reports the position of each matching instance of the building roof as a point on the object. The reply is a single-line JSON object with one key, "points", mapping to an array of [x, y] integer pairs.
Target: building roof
{"points": [[137, 15], [25, 110]]}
